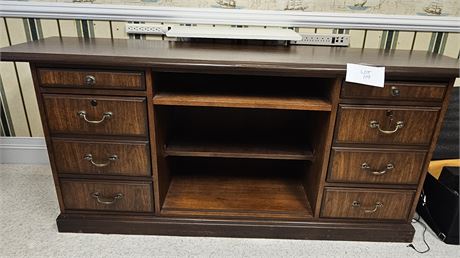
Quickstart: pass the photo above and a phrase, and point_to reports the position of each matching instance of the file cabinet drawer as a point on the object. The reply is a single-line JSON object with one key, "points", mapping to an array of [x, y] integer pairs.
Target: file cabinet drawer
{"points": [[99, 115], [386, 125], [360, 165], [107, 195], [367, 203], [102, 157]]}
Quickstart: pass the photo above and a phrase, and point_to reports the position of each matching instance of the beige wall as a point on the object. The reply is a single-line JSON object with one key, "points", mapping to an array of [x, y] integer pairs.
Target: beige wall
{"points": [[20, 112]]}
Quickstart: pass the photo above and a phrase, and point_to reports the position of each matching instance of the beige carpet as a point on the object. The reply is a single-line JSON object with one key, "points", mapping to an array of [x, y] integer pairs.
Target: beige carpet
{"points": [[28, 209]]}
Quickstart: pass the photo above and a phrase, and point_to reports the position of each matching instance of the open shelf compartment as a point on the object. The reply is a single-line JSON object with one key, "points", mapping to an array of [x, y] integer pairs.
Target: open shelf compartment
{"points": [[237, 188], [236, 133], [272, 92]]}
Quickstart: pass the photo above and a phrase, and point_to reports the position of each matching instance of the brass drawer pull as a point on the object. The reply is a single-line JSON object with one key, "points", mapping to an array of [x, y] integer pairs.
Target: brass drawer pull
{"points": [[90, 80], [376, 124], [89, 157], [106, 200], [395, 92], [105, 115], [357, 204], [366, 167]]}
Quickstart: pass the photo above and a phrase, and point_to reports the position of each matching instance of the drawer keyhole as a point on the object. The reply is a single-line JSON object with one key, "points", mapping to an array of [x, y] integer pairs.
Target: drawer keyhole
{"points": [[93, 102]]}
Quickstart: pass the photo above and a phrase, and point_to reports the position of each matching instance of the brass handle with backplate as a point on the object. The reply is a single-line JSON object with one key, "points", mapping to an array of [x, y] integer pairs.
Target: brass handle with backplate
{"points": [[89, 157], [105, 115], [375, 124], [366, 167], [357, 204], [106, 200]]}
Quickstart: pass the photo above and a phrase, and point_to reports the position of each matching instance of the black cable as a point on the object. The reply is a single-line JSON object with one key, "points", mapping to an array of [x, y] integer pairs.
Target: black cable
{"points": [[417, 220]]}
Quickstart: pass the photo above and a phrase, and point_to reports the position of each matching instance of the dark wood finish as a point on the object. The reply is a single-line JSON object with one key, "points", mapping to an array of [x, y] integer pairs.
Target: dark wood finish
{"points": [[202, 100], [132, 157], [46, 132], [346, 166], [230, 59], [236, 196], [338, 203], [129, 115], [437, 131], [238, 150], [236, 140], [353, 124], [137, 197], [408, 91], [358, 231], [109, 79], [320, 138]]}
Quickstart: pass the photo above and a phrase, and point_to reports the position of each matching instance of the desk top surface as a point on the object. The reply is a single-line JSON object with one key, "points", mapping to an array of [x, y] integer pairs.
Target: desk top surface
{"points": [[181, 55]]}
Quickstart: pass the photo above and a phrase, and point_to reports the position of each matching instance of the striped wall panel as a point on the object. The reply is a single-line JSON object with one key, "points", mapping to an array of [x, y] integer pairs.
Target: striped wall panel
{"points": [[18, 110]]}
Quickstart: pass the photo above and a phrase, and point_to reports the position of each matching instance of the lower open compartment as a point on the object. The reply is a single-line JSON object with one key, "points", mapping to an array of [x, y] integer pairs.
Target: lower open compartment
{"points": [[237, 188]]}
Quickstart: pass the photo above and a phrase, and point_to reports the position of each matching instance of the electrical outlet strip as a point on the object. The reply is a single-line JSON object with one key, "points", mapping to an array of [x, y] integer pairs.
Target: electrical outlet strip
{"points": [[135, 28], [324, 40]]}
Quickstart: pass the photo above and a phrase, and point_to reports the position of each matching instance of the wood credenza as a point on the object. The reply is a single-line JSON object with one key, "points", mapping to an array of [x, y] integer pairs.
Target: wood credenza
{"points": [[176, 138]]}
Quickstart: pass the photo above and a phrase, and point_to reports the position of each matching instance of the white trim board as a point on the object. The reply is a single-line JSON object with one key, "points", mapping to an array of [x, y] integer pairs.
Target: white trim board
{"points": [[54, 10], [23, 150]]}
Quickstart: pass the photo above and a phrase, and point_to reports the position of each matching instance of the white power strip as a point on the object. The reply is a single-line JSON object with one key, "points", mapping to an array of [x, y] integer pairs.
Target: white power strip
{"points": [[323, 40], [135, 28]]}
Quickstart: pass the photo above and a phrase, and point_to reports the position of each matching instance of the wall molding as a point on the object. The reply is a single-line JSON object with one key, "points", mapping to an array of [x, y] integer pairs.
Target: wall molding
{"points": [[50, 10], [23, 150]]}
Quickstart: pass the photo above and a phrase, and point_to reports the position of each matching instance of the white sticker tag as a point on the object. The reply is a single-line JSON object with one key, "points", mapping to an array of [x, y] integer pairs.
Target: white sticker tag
{"points": [[367, 75]]}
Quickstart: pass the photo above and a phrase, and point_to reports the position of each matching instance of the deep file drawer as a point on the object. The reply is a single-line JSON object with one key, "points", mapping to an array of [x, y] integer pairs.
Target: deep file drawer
{"points": [[107, 195], [91, 78], [99, 115], [376, 166], [126, 158], [386, 124]]}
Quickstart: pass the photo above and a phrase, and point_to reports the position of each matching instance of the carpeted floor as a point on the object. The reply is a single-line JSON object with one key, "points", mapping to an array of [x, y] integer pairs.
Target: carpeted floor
{"points": [[28, 209]]}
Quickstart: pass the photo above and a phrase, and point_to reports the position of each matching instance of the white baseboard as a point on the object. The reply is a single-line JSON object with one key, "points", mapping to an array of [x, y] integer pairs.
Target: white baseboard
{"points": [[23, 150]]}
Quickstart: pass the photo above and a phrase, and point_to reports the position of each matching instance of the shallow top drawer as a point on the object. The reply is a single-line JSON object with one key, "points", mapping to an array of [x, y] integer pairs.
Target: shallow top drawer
{"points": [[409, 91], [98, 79]]}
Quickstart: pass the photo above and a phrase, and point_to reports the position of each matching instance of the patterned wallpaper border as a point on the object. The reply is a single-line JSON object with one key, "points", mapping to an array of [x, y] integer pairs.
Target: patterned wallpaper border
{"points": [[431, 8]]}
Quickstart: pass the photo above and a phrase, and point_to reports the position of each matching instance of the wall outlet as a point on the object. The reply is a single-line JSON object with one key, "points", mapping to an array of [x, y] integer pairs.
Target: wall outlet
{"points": [[135, 28], [323, 40]]}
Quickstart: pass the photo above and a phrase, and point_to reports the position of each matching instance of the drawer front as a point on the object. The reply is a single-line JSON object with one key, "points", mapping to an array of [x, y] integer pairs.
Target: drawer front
{"points": [[101, 157], [107, 196], [367, 203], [386, 125], [376, 166], [96, 115], [396, 91], [97, 79]]}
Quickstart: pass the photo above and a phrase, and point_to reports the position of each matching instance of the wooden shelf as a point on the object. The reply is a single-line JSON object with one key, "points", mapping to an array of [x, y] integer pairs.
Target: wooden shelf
{"points": [[241, 101], [237, 150], [236, 196]]}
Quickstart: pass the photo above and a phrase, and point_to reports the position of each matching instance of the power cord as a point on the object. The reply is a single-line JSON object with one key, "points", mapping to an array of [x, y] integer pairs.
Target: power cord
{"points": [[417, 220]]}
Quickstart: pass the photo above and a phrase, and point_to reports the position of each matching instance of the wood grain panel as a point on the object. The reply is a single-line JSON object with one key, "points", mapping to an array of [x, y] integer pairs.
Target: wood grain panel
{"points": [[416, 91], [338, 202], [132, 157], [353, 125], [136, 197], [129, 114], [205, 195], [346, 166], [208, 100], [104, 79]]}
